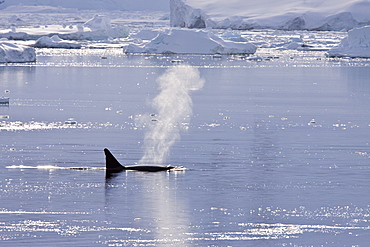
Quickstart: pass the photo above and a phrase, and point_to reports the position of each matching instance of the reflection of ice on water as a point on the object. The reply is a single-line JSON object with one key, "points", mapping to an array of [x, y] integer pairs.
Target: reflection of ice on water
{"points": [[60, 227], [172, 228], [35, 125], [157, 205], [172, 225], [264, 231], [68, 124]]}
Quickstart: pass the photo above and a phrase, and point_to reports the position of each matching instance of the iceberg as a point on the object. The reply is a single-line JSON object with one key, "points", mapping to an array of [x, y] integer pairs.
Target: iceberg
{"points": [[188, 41], [14, 53], [55, 42], [183, 15], [99, 22], [145, 34], [319, 15], [356, 44], [97, 28]]}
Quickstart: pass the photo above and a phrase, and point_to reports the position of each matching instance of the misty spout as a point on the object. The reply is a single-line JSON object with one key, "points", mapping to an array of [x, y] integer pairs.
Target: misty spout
{"points": [[174, 109]]}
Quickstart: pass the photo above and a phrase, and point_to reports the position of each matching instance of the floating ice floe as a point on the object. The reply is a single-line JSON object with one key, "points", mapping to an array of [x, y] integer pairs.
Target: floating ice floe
{"points": [[97, 28], [299, 45], [70, 121], [356, 44], [14, 53], [4, 101], [55, 42], [186, 41], [233, 36]]}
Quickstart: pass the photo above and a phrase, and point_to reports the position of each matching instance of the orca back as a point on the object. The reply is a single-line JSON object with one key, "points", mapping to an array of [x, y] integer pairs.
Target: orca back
{"points": [[111, 163], [149, 168]]}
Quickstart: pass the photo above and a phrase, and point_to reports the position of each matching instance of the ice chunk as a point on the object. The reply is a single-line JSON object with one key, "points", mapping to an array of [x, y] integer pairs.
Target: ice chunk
{"points": [[55, 42], [233, 36], [14, 53], [357, 44], [4, 101], [99, 22], [70, 121], [187, 41], [145, 34], [183, 15]]}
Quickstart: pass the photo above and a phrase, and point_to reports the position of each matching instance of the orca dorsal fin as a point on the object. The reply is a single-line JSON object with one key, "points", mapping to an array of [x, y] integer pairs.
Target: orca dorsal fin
{"points": [[111, 163]]}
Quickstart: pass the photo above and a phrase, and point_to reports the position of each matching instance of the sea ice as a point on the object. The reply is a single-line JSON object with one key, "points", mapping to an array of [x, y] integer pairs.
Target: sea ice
{"points": [[100, 28], [97, 28], [185, 41], [14, 53], [144, 34], [55, 42], [356, 44], [99, 22]]}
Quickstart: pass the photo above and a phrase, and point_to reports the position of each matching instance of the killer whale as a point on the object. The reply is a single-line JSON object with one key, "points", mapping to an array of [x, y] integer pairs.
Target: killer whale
{"points": [[113, 166]]}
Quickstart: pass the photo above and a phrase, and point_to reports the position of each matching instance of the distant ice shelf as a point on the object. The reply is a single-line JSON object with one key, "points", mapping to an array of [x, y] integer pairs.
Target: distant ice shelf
{"points": [[317, 15]]}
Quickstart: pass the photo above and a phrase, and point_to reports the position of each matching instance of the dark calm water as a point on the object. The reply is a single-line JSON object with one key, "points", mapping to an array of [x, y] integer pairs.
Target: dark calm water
{"points": [[276, 151]]}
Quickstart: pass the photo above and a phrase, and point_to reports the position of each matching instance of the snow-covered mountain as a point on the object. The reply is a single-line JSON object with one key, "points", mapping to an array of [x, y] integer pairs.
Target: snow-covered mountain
{"points": [[161, 5], [236, 14], [318, 15]]}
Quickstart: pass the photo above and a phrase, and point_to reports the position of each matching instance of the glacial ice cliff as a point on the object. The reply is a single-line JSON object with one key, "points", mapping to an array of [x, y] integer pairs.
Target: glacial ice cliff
{"points": [[319, 15], [357, 44]]}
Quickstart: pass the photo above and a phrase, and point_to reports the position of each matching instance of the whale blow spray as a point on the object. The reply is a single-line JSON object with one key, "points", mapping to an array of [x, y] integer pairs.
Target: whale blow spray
{"points": [[174, 107]]}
